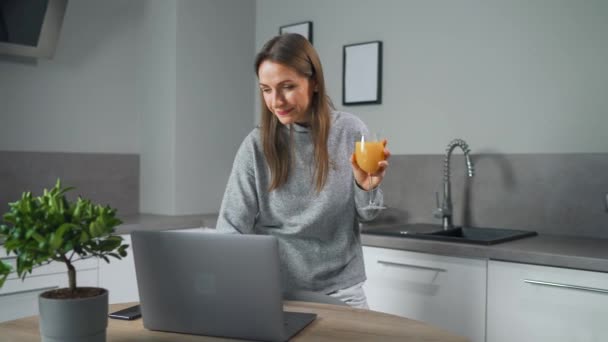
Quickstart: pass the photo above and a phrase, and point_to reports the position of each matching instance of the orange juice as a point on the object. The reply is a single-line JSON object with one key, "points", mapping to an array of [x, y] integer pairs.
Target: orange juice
{"points": [[369, 154]]}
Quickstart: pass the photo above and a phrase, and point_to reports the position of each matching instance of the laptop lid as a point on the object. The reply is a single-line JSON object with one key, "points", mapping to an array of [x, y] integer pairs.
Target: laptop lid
{"points": [[204, 283]]}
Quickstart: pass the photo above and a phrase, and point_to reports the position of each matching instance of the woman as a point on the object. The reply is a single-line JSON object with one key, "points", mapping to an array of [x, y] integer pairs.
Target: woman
{"points": [[295, 176]]}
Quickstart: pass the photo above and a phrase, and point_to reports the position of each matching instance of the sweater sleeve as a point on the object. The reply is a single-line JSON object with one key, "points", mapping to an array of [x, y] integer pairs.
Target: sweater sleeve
{"points": [[240, 203]]}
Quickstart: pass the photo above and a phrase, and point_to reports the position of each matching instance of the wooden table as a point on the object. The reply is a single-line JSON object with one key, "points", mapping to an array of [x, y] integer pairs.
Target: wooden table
{"points": [[334, 323]]}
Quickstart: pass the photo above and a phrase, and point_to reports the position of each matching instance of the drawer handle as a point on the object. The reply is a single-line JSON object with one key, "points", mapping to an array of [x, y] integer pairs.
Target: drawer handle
{"points": [[390, 263], [41, 289], [566, 286]]}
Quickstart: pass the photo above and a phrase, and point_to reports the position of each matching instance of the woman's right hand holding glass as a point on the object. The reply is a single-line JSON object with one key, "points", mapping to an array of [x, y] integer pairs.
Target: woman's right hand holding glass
{"points": [[369, 166], [369, 181]]}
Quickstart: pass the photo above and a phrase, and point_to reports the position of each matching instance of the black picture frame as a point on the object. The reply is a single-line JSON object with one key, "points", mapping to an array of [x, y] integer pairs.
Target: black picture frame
{"points": [[362, 73], [304, 28]]}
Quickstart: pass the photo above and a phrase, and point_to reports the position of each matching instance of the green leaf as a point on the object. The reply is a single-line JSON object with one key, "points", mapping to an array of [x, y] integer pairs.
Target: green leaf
{"points": [[95, 230], [109, 245], [9, 217], [29, 233], [77, 210], [39, 238], [68, 246], [5, 270], [122, 250], [43, 245], [115, 255], [84, 237], [65, 228], [57, 238]]}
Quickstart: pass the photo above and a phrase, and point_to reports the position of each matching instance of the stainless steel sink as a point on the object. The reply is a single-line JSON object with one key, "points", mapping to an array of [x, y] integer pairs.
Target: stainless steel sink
{"points": [[475, 235]]}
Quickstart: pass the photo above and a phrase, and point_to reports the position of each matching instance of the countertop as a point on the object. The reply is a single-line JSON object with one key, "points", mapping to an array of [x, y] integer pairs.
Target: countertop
{"points": [[547, 250], [161, 222]]}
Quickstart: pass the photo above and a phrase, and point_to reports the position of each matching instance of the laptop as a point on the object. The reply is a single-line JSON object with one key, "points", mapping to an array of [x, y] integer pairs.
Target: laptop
{"points": [[226, 285]]}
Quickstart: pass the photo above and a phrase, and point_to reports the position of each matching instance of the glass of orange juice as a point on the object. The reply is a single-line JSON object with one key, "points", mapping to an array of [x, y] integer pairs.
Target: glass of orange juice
{"points": [[369, 151]]}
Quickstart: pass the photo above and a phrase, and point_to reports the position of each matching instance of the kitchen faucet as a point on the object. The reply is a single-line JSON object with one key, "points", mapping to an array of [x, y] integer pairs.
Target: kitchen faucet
{"points": [[444, 212]]}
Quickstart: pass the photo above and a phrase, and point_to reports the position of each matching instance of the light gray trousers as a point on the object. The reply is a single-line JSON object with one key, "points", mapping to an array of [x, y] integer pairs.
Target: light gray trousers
{"points": [[353, 296]]}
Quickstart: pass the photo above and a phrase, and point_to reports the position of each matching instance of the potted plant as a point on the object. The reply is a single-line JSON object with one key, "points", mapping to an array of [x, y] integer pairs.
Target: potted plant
{"points": [[47, 228]]}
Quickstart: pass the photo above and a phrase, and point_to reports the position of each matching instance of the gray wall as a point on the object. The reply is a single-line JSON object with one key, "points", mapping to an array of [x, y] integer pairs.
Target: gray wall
{"points": [[508, 76], [215, 49], [104, 178], [83, 99], [156, 99], [171, 81], [166, 79]]}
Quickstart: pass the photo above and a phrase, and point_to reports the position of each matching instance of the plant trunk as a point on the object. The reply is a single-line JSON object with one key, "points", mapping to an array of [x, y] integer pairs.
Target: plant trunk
{"points": [[71, 274]]}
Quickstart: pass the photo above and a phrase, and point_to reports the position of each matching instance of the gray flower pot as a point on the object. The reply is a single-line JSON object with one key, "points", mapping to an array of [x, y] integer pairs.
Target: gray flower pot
{"points": [[74, 320]]}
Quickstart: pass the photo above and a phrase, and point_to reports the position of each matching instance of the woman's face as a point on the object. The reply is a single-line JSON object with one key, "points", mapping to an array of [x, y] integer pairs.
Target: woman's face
{"points": [[287, 93]]}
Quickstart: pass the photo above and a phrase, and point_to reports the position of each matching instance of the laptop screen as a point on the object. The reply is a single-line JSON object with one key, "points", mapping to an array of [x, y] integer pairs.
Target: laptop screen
{"points": [[204, 283]]}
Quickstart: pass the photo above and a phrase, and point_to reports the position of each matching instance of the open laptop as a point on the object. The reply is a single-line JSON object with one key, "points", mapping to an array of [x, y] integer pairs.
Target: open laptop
{"points": [[203, 283]]}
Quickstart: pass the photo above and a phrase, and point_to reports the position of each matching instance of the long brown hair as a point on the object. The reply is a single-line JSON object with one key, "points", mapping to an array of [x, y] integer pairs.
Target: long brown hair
{"points": [[296, 52]]}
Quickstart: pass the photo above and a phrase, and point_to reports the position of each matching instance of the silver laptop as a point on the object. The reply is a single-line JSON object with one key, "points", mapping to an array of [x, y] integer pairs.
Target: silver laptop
{"points": [[203, 283]]}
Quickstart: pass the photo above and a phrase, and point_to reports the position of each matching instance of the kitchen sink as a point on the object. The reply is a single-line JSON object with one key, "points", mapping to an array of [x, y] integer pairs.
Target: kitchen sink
{"points": [[475, 235]]}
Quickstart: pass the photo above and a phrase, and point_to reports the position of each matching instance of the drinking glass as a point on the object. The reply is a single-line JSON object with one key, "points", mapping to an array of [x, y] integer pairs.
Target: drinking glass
{"points": [[369, 151]]}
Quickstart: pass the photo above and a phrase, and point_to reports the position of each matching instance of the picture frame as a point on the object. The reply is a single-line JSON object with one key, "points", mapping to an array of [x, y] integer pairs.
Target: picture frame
{"points": [[362, 73], [303, 28]]}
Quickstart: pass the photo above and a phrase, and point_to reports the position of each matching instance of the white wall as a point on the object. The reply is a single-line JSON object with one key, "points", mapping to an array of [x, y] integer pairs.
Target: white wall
{"points": [[512, 76], [82, 100], [215, 78]]}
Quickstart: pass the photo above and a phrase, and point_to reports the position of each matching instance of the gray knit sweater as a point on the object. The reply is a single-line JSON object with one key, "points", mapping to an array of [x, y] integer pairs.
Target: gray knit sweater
{"points": [[318, 234]]}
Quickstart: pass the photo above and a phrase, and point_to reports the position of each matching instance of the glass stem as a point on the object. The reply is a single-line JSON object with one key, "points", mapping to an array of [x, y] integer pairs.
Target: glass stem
{"points": [[371, 191]]}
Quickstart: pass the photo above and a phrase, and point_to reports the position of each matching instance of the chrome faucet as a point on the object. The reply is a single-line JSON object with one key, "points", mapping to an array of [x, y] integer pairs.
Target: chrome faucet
{"points": [[444, 211]]}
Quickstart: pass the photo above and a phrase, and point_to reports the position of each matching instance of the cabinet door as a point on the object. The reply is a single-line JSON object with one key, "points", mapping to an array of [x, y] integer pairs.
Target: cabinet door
{"points": [[118, 277], [448, 292], [41, 271], [20, 298], [540, 303]]}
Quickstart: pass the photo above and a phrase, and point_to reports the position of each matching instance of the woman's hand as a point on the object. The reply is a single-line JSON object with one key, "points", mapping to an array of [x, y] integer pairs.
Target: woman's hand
{"points": [[362, 177]]}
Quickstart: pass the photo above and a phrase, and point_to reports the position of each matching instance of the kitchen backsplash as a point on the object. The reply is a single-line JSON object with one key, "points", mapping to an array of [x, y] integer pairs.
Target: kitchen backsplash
{"points": [[561, 194], [111, 179]]}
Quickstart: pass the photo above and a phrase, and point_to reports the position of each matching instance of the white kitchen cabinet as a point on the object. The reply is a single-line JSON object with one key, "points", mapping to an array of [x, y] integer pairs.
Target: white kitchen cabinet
{"points": [[540, 303], [19, 298], [118, 276], [448, 292]]}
